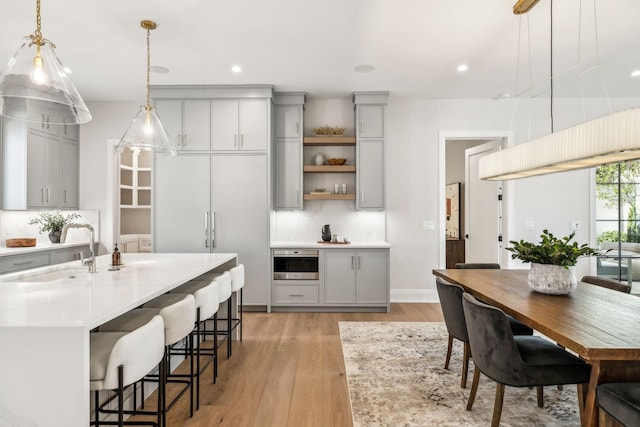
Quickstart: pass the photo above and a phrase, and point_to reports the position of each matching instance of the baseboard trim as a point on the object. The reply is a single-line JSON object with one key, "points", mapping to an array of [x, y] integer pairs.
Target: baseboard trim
{"points": [[414, 295]]}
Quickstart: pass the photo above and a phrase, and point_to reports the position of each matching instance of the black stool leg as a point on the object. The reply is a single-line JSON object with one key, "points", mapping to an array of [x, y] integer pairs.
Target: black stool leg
{"points": [[215, 347], [229, 321], [241, 311], [120, 396]]}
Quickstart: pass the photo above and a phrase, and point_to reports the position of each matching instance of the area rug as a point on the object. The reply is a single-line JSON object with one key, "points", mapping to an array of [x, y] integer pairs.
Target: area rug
{"points": [[396, 377]]}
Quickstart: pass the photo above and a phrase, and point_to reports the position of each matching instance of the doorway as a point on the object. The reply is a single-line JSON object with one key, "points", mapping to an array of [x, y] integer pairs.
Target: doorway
{"points": [[482, 219]]}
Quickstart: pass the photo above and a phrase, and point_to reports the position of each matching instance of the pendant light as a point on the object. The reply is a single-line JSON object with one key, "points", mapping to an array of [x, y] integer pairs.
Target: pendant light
{"points": [[35, 86], [146, 132]]}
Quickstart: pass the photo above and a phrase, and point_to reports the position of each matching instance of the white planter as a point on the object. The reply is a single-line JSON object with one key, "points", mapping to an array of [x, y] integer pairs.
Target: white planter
{"points": [[551, 279]]}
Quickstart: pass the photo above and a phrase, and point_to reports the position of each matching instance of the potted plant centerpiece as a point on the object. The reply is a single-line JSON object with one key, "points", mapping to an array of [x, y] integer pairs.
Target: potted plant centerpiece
{"points": [[551, 260], [53, 222]]}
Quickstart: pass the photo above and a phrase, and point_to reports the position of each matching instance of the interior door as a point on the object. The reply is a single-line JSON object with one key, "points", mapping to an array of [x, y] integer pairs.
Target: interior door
{"points": [[181, 203], [482, 209]]}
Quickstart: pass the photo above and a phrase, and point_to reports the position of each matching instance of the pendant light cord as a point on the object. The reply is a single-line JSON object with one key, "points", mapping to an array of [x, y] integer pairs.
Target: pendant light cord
{"points": [[148, 68], [551, 64]]}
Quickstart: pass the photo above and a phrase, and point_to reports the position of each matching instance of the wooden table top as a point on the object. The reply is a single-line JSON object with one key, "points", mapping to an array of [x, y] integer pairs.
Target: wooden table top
{"points": [[595, 322]]}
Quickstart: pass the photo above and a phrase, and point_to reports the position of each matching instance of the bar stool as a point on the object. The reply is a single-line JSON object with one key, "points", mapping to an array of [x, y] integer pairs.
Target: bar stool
{"points": [[224, 288], [119, 359], [178, 312], [237, 285], [206, 296]]}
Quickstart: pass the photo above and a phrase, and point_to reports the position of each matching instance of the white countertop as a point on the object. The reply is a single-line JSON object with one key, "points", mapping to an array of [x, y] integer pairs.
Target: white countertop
{"points": [[89, 300], [316, 245], [4, 251]]}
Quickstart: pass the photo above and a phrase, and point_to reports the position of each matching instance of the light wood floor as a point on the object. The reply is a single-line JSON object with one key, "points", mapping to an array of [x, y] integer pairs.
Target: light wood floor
{"points": [[287, 371]]}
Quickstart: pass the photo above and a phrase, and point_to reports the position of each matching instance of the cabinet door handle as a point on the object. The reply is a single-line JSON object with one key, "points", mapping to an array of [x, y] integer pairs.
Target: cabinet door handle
{"points": [[297, 197], [235, 140], [352, 262], [23, 263], [361, 196], [241, 140], [297, 128], [296, 295], [185, 140], [48, 195], [65, 196], [358, 264], [361, 126], [47, 121], [42, 194], [206, 229], [43, 120]]}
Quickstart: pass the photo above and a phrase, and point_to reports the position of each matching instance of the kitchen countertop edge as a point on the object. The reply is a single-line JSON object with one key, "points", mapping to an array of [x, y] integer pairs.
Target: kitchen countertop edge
{"points": [[39, 247], [316, 245]]}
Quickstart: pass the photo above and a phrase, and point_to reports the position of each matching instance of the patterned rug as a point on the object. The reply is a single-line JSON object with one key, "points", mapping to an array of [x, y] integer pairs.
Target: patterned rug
{"points": [[396, 377]]}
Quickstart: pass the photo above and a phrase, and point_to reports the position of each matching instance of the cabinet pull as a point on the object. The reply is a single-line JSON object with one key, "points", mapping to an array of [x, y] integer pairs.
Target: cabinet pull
{"points": [[42, 194], [358, 263], [296, 295], [361, 126], [297, 128], [65, 197], [297, 197], [23, 263], [185, 140], [235, 140], [352, 262], [206, 229], [241, 140], [48, 195], [361, 196]]}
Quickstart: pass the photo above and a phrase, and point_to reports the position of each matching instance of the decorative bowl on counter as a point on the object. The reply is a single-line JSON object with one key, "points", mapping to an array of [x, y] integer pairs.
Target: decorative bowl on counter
{"points": [[24, 242], [336, 161]]}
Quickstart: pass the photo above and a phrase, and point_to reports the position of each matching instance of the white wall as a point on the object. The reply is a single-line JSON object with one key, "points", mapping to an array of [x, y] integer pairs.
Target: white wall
{"points": [[412, 175]]}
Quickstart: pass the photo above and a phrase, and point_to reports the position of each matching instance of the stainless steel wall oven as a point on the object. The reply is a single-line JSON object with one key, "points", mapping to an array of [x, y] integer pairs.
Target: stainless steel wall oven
{"points": [[295, 264]]}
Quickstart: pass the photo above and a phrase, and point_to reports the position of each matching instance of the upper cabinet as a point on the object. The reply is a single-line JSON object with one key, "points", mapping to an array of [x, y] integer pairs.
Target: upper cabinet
{"points": [[40, 165], [212, 119], [289, 111], [370, 121]]}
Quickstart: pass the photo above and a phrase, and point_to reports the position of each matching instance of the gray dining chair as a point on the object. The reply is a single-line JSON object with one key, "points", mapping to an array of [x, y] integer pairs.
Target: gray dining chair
{"points": [[450, 296], [517, 361], [620, 401], [607, 283]]}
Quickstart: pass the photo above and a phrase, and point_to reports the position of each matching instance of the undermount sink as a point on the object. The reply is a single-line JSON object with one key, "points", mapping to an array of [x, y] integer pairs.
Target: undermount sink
{"points": [[73, 273]]}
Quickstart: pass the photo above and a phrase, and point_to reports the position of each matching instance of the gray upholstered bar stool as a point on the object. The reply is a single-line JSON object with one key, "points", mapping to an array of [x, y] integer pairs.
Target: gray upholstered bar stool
{"points": [[178, 312], [119, 359], [206, 296], [224, 288]]}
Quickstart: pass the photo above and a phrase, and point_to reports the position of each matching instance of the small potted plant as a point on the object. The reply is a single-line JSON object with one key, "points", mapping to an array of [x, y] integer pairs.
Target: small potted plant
{"points": [[53, 222], [551, 260]]}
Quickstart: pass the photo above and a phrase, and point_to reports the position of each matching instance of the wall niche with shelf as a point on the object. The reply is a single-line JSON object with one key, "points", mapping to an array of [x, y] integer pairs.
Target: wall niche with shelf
{"points": [[320, 180]]}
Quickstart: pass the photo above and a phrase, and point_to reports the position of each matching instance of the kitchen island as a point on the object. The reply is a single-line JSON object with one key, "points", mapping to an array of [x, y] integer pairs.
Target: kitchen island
{"points": [[46, 315]]}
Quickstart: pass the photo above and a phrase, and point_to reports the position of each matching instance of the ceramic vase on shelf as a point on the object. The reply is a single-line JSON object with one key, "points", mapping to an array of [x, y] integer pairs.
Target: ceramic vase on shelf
{"points": [[319, 159], [551, 279]]}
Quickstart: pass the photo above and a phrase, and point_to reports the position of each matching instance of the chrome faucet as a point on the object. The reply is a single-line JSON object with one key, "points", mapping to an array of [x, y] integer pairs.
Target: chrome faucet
{"points": [[91, 262]]}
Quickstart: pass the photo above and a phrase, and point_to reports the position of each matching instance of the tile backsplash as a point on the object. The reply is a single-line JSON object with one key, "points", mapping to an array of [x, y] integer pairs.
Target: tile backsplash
{"points": [[359, 226], [15, 224]]}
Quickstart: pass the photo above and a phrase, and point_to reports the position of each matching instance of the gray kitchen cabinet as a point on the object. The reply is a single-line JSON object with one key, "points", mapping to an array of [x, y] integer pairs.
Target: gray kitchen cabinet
{"points": [[186, 122], [239, 124], [215, 203], [41, 258], [288, 174], [74, 253], [371, 176], [288, 150], [369, 124], [358, 277], [39, 162], [370, 121], [289, 120]]}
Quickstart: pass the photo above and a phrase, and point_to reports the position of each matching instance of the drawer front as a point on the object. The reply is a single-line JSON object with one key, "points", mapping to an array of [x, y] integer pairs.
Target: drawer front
{"points": [[145, 244], [295, 294], [23, 262]]}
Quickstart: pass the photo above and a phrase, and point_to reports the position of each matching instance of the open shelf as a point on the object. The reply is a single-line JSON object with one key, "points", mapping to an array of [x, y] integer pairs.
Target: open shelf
{"points": [[329, 168], [329, 140], [329, 196]]}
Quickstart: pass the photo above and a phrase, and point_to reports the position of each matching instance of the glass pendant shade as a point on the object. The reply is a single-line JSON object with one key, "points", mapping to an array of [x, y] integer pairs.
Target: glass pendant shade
{"points": [[35, 87], [146, 132]]}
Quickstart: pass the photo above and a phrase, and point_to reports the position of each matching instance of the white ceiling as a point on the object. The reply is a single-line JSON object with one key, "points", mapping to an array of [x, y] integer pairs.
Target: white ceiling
{"points": [[314, 45]]}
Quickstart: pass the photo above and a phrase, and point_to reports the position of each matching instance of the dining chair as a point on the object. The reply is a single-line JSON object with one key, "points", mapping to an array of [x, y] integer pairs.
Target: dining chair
{"points": [[620, 401], [607, 283], [517, 361], [450, 296], [517, 327]]}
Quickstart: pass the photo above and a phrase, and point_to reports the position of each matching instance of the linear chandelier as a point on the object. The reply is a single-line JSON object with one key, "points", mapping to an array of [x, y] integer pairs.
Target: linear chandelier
{"points": [[609, 139], [35, 86], [146, 131]]}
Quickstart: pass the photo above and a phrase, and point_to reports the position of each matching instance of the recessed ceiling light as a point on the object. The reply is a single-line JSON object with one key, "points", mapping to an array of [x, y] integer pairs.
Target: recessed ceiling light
{"points": [[462, 68], [67, 70], [364, 68], [158, 69], [635, 73], [236, 69]]}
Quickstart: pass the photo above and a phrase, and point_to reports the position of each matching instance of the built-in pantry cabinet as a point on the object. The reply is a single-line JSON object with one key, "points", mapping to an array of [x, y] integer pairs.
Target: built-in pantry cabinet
{"points": [[297, 178], [214, 195], [39, 165]]}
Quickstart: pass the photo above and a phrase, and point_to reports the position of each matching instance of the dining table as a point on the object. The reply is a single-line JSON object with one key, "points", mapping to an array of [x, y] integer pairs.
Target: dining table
{"points": [[600, 325]]}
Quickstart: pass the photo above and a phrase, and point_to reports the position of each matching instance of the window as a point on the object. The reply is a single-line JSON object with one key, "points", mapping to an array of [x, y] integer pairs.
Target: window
{"points": [[617, 220]]}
